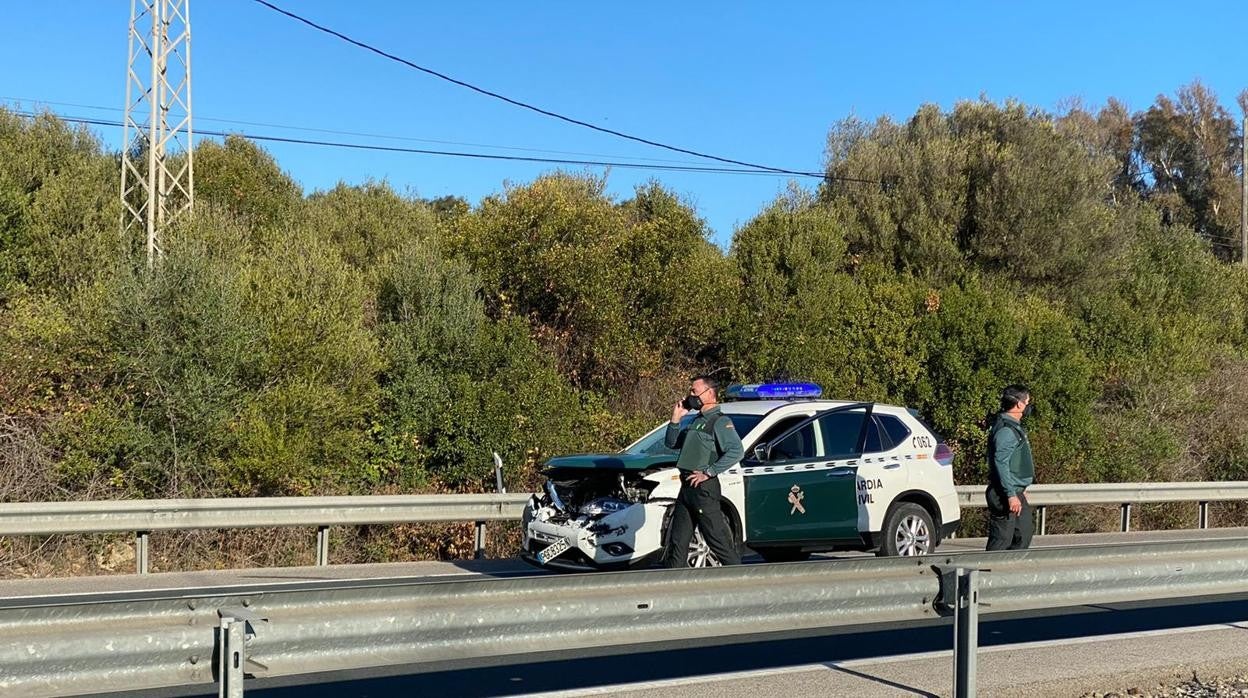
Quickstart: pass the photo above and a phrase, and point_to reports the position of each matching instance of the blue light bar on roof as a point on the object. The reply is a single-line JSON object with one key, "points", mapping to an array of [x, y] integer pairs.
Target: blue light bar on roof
{"points": [[772, 391]]}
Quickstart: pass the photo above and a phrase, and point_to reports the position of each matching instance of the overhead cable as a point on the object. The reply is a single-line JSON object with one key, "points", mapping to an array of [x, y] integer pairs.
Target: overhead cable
{"points": [[519, 103], [460, 154]]}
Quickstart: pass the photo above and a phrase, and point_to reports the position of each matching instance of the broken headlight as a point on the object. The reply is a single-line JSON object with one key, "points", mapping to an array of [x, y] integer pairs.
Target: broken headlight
{"points": [[603, 506]]}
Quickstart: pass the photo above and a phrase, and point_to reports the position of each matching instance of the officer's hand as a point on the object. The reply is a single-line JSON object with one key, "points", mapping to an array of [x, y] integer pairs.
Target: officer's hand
{"points": [[1016, 506], [678, 413], [697, 478]]}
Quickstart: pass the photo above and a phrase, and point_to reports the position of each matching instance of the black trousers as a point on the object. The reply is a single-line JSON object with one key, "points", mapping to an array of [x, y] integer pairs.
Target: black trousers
{"points": [[1005, 530], [699, 506]]}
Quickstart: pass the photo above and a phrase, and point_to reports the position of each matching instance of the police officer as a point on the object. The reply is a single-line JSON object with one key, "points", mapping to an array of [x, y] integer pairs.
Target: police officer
{"points": [[709, 445], [1010, 473]]}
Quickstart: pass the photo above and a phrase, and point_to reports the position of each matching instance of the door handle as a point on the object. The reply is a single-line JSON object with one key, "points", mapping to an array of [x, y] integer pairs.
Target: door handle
{"points": [[840, 472], [892, 466]]}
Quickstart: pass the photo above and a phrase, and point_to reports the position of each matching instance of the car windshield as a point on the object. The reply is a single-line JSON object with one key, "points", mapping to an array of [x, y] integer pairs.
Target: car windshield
{"points": [[652, 444]]}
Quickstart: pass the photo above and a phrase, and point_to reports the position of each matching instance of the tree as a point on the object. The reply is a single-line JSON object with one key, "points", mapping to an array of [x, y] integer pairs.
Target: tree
{"points": [[548, 252], [458, 386], [242, 178], [679, 286], [811, 310], [996, 187], [58, 207], [369, 221], [1109, 133], [1191, 147]]}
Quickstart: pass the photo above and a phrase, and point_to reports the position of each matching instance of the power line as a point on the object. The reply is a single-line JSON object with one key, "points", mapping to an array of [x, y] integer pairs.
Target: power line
{"points": [[337, 132], [518, 103], [480, 156]]}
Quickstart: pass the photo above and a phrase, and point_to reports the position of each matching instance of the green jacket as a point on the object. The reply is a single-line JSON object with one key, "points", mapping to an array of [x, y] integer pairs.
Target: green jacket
{"points": [[710, 443], [1010, 467]]}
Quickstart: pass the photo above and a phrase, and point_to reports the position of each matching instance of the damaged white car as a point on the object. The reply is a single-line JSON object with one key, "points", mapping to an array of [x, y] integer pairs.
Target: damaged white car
{"points": [[819, 475]]}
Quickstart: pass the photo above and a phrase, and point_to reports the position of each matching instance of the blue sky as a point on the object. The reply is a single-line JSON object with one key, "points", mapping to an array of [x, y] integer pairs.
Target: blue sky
{"points": [[761, 82]]}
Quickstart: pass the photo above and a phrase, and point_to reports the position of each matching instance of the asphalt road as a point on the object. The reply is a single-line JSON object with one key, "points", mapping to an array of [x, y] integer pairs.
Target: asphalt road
{"points": [[564, 672], [516, 676]]}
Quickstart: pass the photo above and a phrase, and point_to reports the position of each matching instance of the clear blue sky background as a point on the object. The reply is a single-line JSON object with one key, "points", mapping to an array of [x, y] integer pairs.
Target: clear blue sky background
{"points": [[754, 81]]}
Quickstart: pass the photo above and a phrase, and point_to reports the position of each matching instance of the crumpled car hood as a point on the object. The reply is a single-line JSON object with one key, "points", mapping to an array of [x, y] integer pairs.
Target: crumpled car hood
{"points": [[610, 461]]}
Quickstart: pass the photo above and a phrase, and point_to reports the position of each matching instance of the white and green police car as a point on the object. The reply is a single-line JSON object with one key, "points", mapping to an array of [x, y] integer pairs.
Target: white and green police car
{"points": [[818, 475]]}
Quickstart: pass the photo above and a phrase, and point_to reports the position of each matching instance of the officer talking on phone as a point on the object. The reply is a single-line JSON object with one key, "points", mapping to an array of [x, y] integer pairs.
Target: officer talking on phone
{"points": [[708, 446]]}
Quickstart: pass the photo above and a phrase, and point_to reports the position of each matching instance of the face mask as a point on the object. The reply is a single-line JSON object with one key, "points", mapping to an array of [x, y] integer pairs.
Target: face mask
{"points": [[1029, 410], [691, 402]]}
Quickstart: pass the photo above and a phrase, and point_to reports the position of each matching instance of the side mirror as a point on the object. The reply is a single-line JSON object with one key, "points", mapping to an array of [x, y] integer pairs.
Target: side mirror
{"points": [[762, 451]]}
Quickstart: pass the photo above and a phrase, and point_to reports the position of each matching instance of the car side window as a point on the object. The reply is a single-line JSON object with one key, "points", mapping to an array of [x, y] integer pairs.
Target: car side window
{"points": [[777, 430], [796, 446], [840, 434], [896, 431], [879, 435]]}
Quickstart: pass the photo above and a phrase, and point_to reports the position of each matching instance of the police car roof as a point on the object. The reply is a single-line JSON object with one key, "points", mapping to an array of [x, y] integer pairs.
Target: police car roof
{"points": [[761, 407]]}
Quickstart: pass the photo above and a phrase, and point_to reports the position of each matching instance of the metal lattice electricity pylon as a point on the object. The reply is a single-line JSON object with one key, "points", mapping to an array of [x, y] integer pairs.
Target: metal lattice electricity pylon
{"points": [[157, 176]]}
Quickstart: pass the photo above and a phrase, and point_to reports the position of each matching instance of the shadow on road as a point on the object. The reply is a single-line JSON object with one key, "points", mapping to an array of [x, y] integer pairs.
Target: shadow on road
{"points": [[910, 690]]}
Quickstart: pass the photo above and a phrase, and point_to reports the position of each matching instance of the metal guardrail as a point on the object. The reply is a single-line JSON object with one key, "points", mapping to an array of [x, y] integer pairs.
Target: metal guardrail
{"points": [[70, 645], [977, 583], [1117, 493], [144, 516], [183, 514], [1123, 494]]}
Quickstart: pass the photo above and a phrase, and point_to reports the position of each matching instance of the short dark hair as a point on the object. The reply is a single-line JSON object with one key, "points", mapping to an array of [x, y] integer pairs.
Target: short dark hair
{"points": [[1012, 395], [710, 382]]}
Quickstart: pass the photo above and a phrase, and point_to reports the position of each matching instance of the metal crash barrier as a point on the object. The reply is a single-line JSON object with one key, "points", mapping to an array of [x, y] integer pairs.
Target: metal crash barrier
{"points": [[64, 645], [144, 517], [1122, 494]]}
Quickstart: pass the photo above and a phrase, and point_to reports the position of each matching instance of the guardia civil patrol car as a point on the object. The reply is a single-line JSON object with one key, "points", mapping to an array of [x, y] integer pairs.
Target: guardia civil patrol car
{"points": [[818, 475]]}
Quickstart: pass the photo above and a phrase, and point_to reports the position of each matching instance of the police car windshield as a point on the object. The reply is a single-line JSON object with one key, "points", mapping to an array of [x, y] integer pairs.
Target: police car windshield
{"points": [[652, 444]]}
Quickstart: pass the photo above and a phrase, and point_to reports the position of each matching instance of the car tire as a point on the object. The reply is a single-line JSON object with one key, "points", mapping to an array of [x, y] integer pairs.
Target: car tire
{"points": [[700, 554], [908, 531], [784, 554]]}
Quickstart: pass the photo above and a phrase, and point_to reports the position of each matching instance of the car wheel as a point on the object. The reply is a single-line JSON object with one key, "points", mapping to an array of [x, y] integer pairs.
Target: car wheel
{"points": [[700, 554], [908, 531], [784, 554]]}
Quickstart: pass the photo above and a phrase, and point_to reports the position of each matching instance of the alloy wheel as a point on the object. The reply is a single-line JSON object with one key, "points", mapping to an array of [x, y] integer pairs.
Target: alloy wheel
{"points": [[700, 554], [913, 537]]}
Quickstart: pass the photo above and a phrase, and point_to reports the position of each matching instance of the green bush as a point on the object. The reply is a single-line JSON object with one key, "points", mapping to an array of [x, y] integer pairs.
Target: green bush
{"points": [[59, 208], [457, 386], [359, 340]]}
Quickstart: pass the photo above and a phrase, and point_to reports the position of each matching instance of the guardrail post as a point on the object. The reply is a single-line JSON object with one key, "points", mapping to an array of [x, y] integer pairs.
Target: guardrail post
{"points": [[959, 597], [480, 553], [966, 633], [230, 658], [1126, 517], [1202, 519], [232, 635], [140, 551], [1041, 512], [322, 546]]}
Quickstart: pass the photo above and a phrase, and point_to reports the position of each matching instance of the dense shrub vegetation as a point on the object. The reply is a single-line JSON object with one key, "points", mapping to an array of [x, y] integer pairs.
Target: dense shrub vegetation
{"points": [[361, 341]]}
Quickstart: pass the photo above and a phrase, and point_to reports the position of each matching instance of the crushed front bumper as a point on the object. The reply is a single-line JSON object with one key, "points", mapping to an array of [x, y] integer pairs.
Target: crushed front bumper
{"points": [[629, 538]]}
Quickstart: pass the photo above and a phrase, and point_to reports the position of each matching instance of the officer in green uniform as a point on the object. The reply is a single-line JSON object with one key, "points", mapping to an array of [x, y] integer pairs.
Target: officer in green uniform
{"points": [[1010, 473], [709, 445]]}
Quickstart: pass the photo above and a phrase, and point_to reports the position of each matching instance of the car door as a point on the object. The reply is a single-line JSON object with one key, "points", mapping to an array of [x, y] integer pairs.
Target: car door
{"points": [[882, 472], [802, 487]]}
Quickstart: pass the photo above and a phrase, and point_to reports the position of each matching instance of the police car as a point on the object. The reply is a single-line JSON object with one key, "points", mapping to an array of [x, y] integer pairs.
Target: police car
{"points": [[818, 475]]}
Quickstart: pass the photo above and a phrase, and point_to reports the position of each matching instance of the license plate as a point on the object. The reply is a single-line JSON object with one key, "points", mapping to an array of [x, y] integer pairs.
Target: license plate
{"points": [[553, 551]]}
